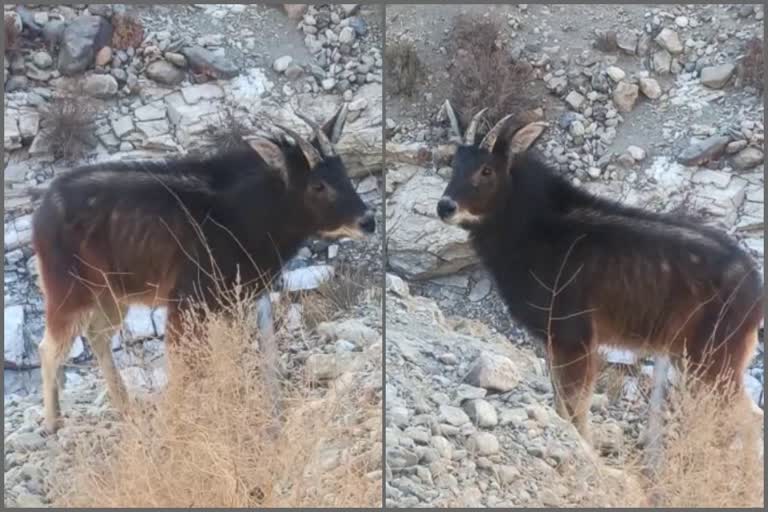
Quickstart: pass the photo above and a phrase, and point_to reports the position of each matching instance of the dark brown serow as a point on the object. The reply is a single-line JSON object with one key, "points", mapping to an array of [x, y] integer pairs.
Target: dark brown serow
{"points": [[581, 271], [177, 233]]}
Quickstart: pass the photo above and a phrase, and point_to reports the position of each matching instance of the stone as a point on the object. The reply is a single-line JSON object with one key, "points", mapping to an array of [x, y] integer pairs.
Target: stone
{"points": [[615, 73], [748, 158], [493, 371], [650, 88], [177, 59], [483, 443], [293, 71], [151, 112], [208, 63], [103, 56], [715, 77], [625, 95], [29, 125], [575, 100], [100, 86], [328, 83], [423, 246], [164, 72], [627, 42], [507, 474], [152, 129], [11, 133], [347, 35], [636, 152], [443, 446], [453, 415], [42, 60], [194, 93], [735, 146], [480, 290], [27, 442], [81, 39], [122, 125], [670, 41], [13, 335], [703, 151], [53, 32], [281, 63], [661, 61], [482, 413], [307, 278], [353, 330]]}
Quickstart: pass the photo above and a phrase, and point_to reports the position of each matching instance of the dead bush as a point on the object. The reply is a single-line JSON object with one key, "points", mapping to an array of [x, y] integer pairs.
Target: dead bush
{"points": [[752, 66], [403, 67], [606, 41], [483, 75], [227, 134], [68, 124], [127, 31], [11, 34], [338, 295], [209, 440]]}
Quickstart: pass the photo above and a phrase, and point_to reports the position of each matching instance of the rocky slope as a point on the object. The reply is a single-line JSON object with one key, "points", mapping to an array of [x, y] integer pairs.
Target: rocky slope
{"points": [[469, 420]]}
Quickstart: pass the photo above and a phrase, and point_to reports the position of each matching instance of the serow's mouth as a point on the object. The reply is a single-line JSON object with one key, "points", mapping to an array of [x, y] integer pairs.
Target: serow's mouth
{"points": [[450, 213], [364, 226]]}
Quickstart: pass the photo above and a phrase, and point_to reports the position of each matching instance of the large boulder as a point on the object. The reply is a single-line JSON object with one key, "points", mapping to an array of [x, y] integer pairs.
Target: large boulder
{"points": [[82, 38], [419, 244]]}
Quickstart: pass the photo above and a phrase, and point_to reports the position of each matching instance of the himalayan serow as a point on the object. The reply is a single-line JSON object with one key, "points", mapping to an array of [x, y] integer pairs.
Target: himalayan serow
{"points": [[178, 233], [580, 271]]}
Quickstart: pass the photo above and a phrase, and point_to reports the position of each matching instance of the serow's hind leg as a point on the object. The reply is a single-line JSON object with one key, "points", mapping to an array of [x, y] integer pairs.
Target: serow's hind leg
{"points": [[104, 323], [574, 369]]}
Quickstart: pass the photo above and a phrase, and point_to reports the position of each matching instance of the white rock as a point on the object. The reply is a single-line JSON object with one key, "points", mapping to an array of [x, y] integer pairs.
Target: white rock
{"points": [[636, 152], [281, 63], [670, 41], [482, 413], [353, 330], [347, 35], [307, 278], [194, 93], [650, 88], [575, 100], [13, 335], [453, 415], [616, 73], [493, 371], [484, 443]]}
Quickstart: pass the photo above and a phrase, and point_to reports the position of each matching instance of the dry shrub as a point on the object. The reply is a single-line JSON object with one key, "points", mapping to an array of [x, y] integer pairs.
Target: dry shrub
{"points": [[752, 68], [209, 441], [227, 134], [403, 67], [483, 74], [706, 459], [68, 124], [127, 31], [11, 34], [335, 296]]}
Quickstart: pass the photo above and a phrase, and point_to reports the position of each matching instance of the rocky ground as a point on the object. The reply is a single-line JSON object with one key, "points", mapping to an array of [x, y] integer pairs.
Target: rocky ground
{"points": [[469, 420], [188, 72], [658, 118]]}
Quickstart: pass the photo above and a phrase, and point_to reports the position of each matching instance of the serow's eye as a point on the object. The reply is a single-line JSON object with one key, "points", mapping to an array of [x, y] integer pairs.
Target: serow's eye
{"points": [[318, 187], [486, 171]]}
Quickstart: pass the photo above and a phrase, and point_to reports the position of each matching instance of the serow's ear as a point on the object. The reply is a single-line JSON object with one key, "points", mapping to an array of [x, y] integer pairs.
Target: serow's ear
{"points": [[334, 127], [524, 138], [271, 154]]}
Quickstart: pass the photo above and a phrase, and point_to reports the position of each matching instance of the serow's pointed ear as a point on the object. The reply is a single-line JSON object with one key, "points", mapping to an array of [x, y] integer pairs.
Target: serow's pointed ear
{"points": [[524, 138], [334, 127], [271, 154]]}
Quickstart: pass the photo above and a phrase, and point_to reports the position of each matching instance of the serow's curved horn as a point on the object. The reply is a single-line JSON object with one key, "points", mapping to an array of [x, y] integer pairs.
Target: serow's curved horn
{"points": [[469, 135], [309, 151], [490, 138], [453, 120], [340, 121], [326, 148]]}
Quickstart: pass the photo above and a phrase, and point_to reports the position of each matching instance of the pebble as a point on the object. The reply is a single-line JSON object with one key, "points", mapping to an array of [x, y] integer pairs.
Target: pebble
{"points": [[281, 63]]}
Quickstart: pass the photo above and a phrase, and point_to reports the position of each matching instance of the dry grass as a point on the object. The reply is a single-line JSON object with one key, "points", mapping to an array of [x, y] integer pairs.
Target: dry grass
{"points": [[705, 459], [403, 67], [752, 66], [483, 74], [336, 296], [209, 441], [67, 123], [127, 31], [227, 134]]}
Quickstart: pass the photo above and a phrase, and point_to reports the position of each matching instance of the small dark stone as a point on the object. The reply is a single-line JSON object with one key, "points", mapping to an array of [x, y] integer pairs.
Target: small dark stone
{"points": [[359, 25]]}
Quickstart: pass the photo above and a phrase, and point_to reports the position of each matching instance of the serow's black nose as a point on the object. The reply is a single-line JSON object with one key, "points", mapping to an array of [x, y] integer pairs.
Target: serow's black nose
{"points": [[446, 207], [368, 223]]}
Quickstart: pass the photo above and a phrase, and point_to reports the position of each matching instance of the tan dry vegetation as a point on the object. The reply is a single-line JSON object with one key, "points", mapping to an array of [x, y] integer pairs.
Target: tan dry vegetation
{"points": [[208, 439], [708, 459]]}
